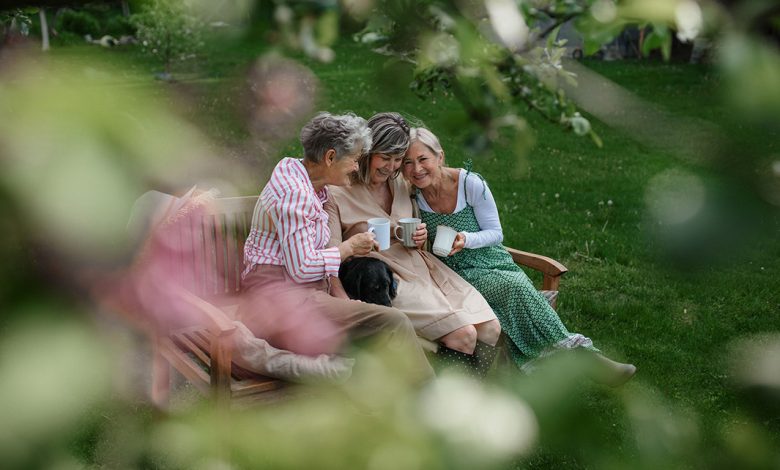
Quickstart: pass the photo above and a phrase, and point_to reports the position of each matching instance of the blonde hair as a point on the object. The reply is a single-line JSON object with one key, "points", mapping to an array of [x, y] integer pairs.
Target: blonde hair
{"points": [[427, 138]]}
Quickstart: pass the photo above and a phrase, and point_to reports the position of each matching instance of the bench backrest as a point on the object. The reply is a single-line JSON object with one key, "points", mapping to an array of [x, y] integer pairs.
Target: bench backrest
{"points": [[217, 241]]}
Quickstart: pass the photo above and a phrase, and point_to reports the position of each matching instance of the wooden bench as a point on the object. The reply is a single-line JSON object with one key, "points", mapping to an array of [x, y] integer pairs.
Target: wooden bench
{"points": [[202, 353]]}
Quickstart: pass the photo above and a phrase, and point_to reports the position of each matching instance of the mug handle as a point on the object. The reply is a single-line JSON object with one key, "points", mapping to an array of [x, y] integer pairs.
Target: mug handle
{"points": [[395, 232]]}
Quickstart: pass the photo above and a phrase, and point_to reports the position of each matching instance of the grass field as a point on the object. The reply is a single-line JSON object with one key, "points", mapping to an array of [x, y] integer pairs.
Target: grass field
{"points": [[641, 298]]}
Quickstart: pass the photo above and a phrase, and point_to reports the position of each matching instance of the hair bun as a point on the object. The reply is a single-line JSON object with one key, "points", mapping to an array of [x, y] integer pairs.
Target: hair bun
{"points": [[402, 124]]}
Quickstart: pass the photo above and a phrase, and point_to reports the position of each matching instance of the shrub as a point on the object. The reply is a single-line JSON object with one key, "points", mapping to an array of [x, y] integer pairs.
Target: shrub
{"points": [[168, 30], [78, 22], [119, 26]]}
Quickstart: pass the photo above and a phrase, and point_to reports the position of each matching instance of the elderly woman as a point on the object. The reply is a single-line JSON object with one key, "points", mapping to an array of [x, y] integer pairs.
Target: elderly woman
{"points": [[462, 200], [442, 306], [288, 266]]}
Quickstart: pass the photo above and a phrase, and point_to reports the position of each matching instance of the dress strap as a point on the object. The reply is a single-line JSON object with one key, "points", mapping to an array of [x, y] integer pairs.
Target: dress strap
{"points": [[468, 166]]}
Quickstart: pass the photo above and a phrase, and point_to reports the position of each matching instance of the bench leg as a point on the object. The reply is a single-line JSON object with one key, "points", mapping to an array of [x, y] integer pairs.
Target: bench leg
{"points": [[161, 379]]}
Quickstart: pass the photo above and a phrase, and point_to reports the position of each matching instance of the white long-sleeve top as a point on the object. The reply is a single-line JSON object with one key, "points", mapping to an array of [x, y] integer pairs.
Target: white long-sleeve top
{"points": [[475, 190]]}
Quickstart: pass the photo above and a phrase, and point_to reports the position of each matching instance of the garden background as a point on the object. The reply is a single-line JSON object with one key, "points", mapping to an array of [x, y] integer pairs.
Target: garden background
{"points": [[654, 180]]}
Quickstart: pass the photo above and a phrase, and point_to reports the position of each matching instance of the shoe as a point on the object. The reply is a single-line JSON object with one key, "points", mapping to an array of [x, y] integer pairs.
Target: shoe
{"points": [[611, 373]]}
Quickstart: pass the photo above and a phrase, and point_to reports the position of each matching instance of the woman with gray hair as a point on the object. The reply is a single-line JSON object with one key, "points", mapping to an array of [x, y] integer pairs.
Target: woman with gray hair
{"points": [[289, 269], [442, 306]]}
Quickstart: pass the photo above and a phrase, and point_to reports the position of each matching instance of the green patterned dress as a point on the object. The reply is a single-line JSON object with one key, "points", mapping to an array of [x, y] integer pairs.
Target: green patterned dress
{"points": [[532, 326]]}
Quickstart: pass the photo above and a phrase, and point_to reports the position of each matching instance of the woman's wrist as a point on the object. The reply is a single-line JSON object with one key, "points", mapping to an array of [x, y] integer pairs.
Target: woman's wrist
{"points": [[345, 250]]}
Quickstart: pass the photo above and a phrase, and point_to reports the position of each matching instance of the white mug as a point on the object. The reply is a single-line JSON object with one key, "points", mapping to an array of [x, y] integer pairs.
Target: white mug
{"points": [[381, 228], [445, 237], [408, 226]]}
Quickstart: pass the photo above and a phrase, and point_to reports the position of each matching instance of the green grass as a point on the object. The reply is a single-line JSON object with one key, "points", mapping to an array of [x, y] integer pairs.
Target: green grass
{"points": [[673, 317]]}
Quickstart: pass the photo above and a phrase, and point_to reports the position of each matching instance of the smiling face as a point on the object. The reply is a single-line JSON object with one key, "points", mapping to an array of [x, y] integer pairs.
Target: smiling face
{"points": [[382, 167], [341, 169], [421, 166]]}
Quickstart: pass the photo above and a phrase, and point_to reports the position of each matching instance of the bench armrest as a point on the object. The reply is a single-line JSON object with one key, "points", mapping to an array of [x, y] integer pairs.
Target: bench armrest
{"points": [[214, 319], [221, 354], [551, 270]]}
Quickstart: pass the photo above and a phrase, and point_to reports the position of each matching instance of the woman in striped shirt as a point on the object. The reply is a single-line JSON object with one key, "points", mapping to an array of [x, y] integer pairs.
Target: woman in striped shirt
{"points": [[287, 279]]}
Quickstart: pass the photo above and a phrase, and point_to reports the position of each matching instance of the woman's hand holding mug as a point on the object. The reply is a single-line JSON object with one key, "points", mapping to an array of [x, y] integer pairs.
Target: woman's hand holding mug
{"points": [[359, 244], [420, 235], [458, 244]]}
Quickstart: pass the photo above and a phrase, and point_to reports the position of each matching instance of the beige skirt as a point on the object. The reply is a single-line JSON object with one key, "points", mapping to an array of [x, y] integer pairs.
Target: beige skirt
{"points": [[433, 296]]}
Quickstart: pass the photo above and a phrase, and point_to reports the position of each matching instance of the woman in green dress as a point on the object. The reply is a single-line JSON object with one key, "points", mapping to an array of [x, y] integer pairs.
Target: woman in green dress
{"points": [[460, 199]]}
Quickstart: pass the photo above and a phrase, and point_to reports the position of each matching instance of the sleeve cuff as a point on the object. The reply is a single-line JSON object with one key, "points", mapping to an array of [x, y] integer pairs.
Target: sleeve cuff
{"points": [[469, 239], [332, 258]]}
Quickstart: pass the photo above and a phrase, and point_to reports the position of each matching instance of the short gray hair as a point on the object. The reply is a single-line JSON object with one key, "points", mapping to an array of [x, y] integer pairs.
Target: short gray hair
{"points": [[390, 136], [344, 133], [427, 138]]}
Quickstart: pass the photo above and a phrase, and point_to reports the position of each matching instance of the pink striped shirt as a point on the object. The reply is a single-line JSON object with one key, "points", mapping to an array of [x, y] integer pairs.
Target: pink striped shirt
{"points": [[290, 227]]}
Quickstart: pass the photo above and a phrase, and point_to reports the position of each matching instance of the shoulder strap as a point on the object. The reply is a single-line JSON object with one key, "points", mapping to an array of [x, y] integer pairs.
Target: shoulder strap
{"points": [[468, 165]]}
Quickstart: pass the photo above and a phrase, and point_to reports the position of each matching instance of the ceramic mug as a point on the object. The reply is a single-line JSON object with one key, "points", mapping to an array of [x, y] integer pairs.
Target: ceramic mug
{"points": [[381, 228], [408, 226], [445, 237]]}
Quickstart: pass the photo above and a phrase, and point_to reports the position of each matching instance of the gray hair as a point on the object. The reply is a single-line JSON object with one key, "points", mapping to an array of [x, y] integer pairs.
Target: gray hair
{"points": [[427, 138], [345, 134], [390, 135]]}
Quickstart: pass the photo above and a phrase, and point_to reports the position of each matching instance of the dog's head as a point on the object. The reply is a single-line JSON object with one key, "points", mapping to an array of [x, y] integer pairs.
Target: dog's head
{"points": [[368, 279]]}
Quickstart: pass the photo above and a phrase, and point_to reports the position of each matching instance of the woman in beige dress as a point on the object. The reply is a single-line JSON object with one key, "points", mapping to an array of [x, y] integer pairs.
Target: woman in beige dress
{"points": [[441, 305]]}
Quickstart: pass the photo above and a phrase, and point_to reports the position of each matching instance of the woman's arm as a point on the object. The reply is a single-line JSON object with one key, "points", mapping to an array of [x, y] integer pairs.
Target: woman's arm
{"points": [[334, 222], [304, 260], [359, 244], [481, 199]]}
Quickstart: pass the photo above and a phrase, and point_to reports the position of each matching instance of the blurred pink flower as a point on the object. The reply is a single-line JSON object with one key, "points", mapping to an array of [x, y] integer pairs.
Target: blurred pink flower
{"points": [[282, 94]]}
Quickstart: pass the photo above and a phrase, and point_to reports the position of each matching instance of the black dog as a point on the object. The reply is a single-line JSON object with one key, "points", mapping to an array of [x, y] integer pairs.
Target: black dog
{"points": [[368, 279]]}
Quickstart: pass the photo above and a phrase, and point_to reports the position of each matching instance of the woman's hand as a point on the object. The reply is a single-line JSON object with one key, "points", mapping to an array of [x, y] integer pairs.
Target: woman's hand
{"points": [[336, 289], [359, 244], [458, 244], [420, 235]]}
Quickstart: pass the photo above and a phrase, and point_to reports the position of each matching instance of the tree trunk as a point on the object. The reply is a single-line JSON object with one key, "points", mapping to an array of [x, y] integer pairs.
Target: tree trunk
{"points": [[44, 29], [125, 8]]}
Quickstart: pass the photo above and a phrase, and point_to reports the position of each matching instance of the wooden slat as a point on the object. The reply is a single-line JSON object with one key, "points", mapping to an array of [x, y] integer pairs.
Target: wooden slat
{"points": [[221, 260], [255, 385], [221, 382], [212, 269], [161, 375], [185, 365], [204, 339], [181, 339], [236, 252], [199, 255]]}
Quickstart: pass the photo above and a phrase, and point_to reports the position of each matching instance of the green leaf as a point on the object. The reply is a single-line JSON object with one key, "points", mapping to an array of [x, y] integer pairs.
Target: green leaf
{"points": [[595, 138], [659, 38], [596, 34], [666, 47], [591, 46], [552, 37]]}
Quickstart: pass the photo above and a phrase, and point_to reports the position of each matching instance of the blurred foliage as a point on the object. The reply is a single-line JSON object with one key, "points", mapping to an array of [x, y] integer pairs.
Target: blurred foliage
{"points": [[170, 30], [16, 20], [79, 143], [77, 22]]}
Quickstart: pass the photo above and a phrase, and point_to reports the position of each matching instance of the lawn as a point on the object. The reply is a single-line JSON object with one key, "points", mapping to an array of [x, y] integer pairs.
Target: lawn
{"points": [[673, 308]]}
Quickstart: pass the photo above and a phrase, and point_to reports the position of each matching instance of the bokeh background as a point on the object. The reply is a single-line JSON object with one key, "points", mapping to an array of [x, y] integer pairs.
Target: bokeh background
{"points": [[635, 141]]}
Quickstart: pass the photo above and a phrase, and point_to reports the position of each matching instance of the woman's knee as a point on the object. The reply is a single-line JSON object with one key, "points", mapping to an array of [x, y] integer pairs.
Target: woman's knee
{"points": [[464, 339], [489, 332], [392, 318]]}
